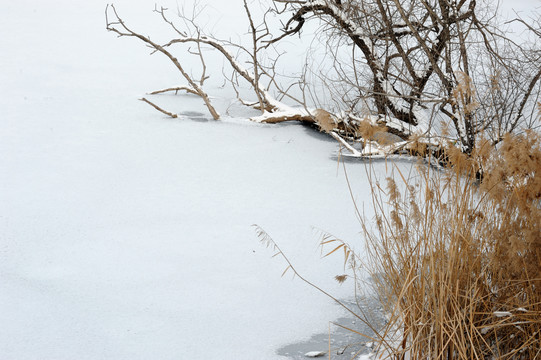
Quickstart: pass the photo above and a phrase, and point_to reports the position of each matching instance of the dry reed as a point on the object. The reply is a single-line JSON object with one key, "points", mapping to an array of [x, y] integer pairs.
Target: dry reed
{"points": [[455, 253], [458, 261]]}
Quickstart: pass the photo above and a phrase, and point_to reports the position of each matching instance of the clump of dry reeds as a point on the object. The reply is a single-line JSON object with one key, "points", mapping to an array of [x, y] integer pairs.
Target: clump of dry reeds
{"points": [[458, 259], [455, 252]]}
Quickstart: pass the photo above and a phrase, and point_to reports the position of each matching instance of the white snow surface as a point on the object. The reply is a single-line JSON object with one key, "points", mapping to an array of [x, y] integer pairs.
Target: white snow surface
{"points": [[313, 354], [125, 234]]}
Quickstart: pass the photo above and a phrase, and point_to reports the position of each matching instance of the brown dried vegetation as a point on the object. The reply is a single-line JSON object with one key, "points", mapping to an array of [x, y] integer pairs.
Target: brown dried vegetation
{"points": [[458, 261]]}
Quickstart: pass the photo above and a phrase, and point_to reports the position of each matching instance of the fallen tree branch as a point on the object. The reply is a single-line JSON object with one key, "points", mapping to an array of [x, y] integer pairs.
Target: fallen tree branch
{"points": [[400, 66], [124, 30], [278, 117], [159, 108], [354, 152], [175, 89]]}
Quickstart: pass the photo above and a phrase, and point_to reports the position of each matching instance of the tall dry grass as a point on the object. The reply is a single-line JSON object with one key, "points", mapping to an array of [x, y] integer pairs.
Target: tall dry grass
{"points": [[458, 260], [455, 253]]}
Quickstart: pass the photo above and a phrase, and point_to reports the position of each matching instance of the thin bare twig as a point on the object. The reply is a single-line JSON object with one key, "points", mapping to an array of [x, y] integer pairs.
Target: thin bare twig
{"points": [[175, 89], [159, 108]]}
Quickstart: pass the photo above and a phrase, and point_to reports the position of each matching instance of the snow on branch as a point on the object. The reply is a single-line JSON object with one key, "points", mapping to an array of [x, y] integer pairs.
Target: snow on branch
{"points": [[412, 68]]}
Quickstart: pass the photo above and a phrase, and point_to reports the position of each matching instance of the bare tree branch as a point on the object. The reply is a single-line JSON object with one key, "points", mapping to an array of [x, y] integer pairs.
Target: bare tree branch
{"points": [[159, 108], [125, 31], [175, 89], [409, 66]]}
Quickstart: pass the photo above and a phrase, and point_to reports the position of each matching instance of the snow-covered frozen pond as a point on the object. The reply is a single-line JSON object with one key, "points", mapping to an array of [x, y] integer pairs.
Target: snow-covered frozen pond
{"points": [[127, 235]]}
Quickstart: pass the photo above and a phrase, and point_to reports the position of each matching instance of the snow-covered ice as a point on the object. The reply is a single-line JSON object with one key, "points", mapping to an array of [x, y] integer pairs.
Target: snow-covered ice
{"points": [[127, 235]]}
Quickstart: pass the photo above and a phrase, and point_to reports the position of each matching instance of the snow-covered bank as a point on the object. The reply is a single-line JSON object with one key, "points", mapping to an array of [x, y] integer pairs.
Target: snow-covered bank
{"points": [[127, 235]]}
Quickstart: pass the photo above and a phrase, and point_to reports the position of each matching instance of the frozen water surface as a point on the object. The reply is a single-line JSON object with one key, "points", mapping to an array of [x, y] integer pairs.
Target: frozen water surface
{"points": [[125, 234]]}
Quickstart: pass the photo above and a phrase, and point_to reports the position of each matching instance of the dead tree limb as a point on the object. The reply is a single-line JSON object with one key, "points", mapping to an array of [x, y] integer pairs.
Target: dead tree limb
{"points": [[119, 27], [159, 108], [175, 89], [408, 66]]}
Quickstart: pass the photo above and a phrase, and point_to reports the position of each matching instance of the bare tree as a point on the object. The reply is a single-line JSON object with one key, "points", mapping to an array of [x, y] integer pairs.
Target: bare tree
{"points": [[407, 67], [430, 54]]}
